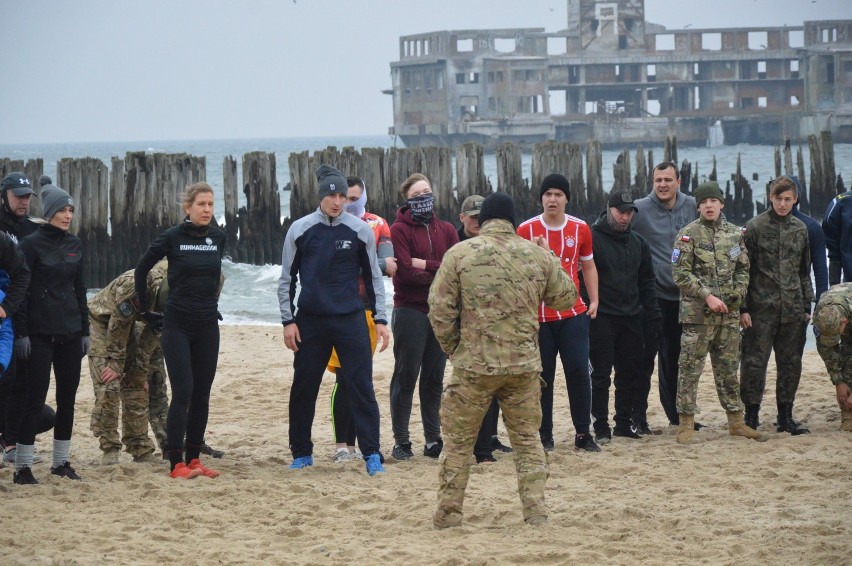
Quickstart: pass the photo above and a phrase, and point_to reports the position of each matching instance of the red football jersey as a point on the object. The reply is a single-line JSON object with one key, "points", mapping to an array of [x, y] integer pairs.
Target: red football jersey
{"points": [[571, 242]]}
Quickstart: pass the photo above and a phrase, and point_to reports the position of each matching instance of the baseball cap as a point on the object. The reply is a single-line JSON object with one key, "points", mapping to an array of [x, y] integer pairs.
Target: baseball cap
{"points": [[622, 200], [472, 205], [18, 183]]}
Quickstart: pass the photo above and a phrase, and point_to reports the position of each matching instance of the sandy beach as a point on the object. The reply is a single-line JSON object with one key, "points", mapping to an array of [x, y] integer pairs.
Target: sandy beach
{"points": [[724, 501]]}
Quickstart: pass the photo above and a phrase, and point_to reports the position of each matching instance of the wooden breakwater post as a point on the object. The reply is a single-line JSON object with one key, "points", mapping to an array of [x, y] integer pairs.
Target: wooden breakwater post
{"points": [[594, 170], [230, 194], [470, 175], [823, 174], [739, 207], [567, 159], [145, 196], [641, 181], [621, 175], [510, 180], [87, 181], [260, 218]]}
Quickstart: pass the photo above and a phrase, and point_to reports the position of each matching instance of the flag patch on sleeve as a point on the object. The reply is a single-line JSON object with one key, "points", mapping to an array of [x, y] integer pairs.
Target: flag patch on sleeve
{"points": [[676, 254]]}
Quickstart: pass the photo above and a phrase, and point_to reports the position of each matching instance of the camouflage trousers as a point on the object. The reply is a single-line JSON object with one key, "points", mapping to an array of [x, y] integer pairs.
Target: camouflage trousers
{"points": [[723, 344], [463, 405], [125, 393], [158, 397], [786, 339], [140, 393]]}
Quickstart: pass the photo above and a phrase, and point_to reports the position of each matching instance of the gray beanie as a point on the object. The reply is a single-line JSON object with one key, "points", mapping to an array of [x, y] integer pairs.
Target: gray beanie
{"points": [[53, 199], [331, 181]]}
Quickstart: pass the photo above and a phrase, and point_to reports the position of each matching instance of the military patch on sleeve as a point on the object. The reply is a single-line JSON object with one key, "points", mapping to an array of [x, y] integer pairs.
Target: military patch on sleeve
{"points": [[684, 238], [676, 254], [126, 309], [734, 252]]}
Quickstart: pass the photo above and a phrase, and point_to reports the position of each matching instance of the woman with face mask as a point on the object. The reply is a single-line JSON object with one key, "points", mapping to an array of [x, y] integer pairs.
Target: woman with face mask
{"points": [[420, 241]]}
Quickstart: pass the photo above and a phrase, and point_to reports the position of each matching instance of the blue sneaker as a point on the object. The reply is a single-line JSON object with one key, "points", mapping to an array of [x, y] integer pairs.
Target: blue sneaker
{"points": [[302, 462], [374, 465]]}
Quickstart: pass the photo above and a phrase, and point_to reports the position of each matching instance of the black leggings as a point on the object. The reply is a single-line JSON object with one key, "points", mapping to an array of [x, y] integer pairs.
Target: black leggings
{"points": [[64, 355], [191, 351]]}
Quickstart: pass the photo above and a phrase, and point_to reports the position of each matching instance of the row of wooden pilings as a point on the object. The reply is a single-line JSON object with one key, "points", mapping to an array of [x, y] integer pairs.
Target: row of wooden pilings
{"points": [[122, 208]]}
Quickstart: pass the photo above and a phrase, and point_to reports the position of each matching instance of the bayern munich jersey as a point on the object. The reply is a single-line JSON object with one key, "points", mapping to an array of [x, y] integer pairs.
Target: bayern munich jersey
{"points": [[571, 243]]}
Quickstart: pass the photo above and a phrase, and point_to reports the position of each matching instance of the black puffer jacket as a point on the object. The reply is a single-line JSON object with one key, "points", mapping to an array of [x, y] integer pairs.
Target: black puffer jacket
{"points": [[56, 300]]}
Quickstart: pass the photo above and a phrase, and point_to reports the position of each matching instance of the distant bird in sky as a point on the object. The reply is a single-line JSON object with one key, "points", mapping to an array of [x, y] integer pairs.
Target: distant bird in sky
{"points": [[686, 26]]}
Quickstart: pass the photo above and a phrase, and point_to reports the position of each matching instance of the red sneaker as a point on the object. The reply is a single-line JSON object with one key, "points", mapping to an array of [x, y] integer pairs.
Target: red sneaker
{"points": [[183, 471], [196, 465]]}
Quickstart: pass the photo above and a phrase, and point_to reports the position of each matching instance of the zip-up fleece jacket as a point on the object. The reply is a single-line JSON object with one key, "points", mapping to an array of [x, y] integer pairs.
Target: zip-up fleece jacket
{"points": [[625, 272], [56, 300], [424, 241], [659, 226], [326, 255]]}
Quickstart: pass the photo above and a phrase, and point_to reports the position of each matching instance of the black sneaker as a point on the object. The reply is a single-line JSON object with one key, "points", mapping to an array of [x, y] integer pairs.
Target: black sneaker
{"points": [[435, 450], [603, 436], [625, 431], [402, 451], [586, 442], [547, 443], [499, 446], [65, 471], [644, 430], [484, 459], [24, 476], [212, 452]]}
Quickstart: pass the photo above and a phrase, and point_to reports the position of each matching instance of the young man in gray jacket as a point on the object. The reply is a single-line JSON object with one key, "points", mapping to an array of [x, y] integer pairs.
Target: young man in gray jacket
{"points": [[660, 217]]}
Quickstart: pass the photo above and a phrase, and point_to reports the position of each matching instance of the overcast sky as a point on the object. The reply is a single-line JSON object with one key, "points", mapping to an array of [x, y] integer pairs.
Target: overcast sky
{"points": [[115, 70]]}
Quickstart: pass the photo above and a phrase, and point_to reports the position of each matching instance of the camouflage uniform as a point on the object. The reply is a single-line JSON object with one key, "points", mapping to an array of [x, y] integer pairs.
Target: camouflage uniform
{"points": [[836, 351], [778, 299], [112, 319], [483, 307], [145, 363], [709, 258]]}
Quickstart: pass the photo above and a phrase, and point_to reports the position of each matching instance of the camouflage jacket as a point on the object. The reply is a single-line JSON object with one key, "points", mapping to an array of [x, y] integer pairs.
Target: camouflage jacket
{"points": [[484, 301], [112, 315], [779, 256], [835, 350], [710, 258]]}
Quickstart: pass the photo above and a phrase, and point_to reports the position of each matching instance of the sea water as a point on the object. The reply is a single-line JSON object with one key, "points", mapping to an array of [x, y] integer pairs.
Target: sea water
{"points": [[250, 295]]}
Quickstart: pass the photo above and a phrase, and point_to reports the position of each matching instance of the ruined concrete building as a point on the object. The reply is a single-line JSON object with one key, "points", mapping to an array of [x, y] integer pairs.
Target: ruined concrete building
{"points": [[614, 77]]}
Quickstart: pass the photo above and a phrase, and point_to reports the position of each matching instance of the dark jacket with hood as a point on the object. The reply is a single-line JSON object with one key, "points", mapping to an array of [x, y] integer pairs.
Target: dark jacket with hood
{"points": [[625, 272], [56, 300], [413, 239]]}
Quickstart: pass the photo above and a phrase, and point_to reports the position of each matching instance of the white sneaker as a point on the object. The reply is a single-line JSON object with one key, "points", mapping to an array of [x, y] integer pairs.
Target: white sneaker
{"points": [[356, 455], [342, 455]]}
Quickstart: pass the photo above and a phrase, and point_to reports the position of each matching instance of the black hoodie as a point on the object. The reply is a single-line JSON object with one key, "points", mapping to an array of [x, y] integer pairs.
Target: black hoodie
{"points": [[625, 272]]}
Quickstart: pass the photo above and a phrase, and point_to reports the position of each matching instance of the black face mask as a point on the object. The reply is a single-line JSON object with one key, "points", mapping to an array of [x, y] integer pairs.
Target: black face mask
{"points": [[422, 207]]}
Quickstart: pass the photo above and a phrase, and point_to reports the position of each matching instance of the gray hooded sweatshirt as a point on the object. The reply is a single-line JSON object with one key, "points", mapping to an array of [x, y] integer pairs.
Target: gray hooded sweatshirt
{"points": [[660, 226]]}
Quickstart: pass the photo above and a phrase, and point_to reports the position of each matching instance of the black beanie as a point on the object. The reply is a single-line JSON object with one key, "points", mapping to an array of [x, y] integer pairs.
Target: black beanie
{"points": [[555, 181], [497, 205], [331, 181]]}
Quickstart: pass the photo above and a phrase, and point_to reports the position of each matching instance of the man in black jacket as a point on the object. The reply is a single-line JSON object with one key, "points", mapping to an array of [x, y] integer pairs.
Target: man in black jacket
{"points": [[16, 191], [625, 295]]}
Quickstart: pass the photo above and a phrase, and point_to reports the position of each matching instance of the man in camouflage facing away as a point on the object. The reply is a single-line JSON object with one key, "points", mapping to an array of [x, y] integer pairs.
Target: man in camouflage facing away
{"points": [[710, 267], [120, 359], [834, 343], [483, 307], [777, 305]]}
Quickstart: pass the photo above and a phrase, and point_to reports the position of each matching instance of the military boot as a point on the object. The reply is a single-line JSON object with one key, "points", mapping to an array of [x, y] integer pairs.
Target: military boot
{"points": [[737, 427], [752, 415], [786, 422], [846, 420], [686, 429]]}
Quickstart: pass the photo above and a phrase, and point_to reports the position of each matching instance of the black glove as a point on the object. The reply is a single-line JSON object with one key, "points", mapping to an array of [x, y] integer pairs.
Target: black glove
{"points": [[23, 347], [219, 315], [84, 346], [834, 272], [154, 320], [653, 333]]}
